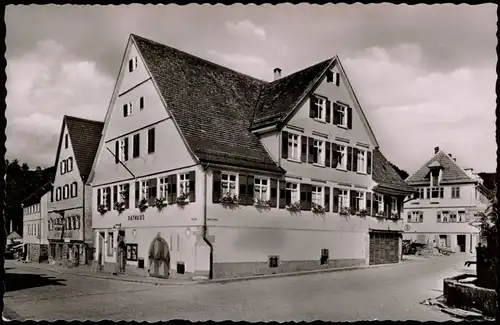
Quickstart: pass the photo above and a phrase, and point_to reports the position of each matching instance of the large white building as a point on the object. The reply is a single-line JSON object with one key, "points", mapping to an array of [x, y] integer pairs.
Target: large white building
{"points": [[448, 199], [206, 172]]}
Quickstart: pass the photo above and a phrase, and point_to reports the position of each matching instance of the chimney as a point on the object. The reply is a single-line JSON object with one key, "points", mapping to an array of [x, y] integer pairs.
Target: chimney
{"points": [[277, 73], [455, 159], [449, 155], [436, 149], [469, 171]]}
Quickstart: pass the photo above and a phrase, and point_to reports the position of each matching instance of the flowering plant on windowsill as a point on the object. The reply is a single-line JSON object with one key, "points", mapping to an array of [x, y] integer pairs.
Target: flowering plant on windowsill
{"points": [[394, 216], [362, 213], [183, 199], [143, 204], [262, 203], [379, 214], [228, 199], [318, 209], [353, 211], [295, 206], [102, 209], [119, 206], [160, 203], [344, 211]]}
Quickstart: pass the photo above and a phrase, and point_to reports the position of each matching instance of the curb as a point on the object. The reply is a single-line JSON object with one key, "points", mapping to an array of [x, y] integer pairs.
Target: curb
{"points": [[464, 317]]}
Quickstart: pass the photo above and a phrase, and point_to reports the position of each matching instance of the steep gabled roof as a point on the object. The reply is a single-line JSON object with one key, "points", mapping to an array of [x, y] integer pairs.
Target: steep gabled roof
{"points": [[451, 172], [14, 235], [85, 136], [488, 180], [386, 176], [37, 194], [280, 96]]}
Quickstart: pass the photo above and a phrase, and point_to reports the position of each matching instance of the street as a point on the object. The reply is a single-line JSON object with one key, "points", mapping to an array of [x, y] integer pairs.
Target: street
{"points": [[390, 292]]}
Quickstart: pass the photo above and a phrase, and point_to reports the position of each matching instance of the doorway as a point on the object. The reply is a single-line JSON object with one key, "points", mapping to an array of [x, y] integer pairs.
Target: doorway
{"points": [[159, 258], [101, 249], [461, 242], [442, 240]]}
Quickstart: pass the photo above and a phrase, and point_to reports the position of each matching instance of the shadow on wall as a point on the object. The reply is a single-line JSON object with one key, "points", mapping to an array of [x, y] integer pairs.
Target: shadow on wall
{"points": [[21, 281]]}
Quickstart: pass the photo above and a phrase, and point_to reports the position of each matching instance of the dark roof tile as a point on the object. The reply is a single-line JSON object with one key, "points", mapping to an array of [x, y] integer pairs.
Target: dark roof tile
{"points": [[385, 175]]}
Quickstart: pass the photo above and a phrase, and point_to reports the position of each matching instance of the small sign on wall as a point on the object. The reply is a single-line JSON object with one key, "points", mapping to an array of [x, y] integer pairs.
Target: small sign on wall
{"points": [[135, 217]]}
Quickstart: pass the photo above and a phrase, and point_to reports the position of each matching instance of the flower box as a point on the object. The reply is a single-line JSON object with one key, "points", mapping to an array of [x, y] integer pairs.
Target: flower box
{"points": [[344, 211], [394, 216], [379, 214], [228, 199], [119, 206], [362, 213], [160, 203], [183, 199], [143, 205], [318, 209], [262, 203], [102, 209], [293, 206]]}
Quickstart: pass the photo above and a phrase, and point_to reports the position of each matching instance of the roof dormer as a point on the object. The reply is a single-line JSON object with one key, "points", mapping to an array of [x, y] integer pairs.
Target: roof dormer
{"points": [[435, 174]]}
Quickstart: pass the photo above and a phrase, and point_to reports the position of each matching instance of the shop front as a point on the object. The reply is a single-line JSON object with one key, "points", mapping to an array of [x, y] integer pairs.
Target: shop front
{"points": [[65, 236]]}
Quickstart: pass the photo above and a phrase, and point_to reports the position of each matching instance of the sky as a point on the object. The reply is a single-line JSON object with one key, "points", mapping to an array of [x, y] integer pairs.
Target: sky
{"points": [[424, 75]]}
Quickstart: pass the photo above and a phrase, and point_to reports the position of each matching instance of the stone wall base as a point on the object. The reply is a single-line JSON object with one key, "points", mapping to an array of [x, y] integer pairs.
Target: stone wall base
{"points": [[467, 296], [230, 270], [133, 270]]}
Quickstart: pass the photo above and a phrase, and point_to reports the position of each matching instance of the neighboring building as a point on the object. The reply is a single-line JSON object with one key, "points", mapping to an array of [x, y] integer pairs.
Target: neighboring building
{"points": [[70, 206], [14, 238], [206, 172], [35, 228], [448, 199]]}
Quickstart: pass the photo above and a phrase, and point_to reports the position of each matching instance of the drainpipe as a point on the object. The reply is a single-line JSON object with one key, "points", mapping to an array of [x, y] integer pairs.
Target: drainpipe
{"points": [[82, 226], [205, 228]]}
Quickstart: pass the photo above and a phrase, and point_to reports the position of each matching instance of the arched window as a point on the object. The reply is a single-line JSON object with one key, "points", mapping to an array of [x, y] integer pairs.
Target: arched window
{"points": [[74, 189]]}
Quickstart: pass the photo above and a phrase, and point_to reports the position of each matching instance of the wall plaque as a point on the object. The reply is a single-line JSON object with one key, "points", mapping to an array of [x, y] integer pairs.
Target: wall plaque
{"points": [[136, 217]]}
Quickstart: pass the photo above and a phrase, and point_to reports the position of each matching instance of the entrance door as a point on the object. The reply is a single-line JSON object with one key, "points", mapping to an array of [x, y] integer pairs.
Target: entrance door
{"points": [[384, 248], [461, 242], [159, 258], [442, 240], [101, 249]]}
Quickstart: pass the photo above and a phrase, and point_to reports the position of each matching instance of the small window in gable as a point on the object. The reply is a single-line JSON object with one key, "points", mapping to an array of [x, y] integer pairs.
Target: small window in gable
{"points": [[141, 103], [74, 189], [333, 77], [70, 164], [340, 114], [58, 194], [66, 191], [63, 167], [320, 108], [132, 64], [66, 141]]}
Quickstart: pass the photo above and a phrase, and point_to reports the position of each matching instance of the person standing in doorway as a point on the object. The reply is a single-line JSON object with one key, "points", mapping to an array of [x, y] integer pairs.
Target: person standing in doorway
{"points": [[121, 254]]}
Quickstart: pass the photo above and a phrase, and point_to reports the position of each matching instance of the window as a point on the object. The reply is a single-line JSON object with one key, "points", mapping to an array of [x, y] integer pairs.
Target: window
{"points": [[318, 152], [416, 216], [273, 261], [343, 198], [143, 190], [434, 177], [455, 192], [438, 217], [228, 183], [421, 193], [63, 167], [292, 194], [320, 108], [141, 103], [66, 191], [135, 146], [453, 217], [445, 216], [317, 196], [66, 140], [74, 189], [261, 189], [132, 64], [78, 223], [123, 155], [361, 157], [104, 197], [293, 146], [70, 164], [163, 187], [111, 244], [394, 204], [123, 191], [437, 192], [184, 184], [324, 256], [342, 152], [131, 252], [360, 201], [341, 115], [130, 108], [461, 216], [151, 140]]}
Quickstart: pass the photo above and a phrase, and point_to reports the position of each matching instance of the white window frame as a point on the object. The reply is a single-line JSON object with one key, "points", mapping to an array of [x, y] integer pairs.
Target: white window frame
{"points": [[342, 109], [58, 194], [380, 199], [65, 192], [70, 164], [294, 188], [453, 216], [130, 108], [445, 216], [454, 191], [438, 179], [421, 192], [104, 195], [415, 216], [121, 190], [143, 190], [294, 142], [134, 64], [394, 204], [434, 189], [342, 150], [361, 161], [320, 107], [344, 198], [461, 216], [183, 184], [63, 167], [73, 189], [319, 146], [228, 181], [318, 195], [361, 200], [163, 187], [121, 152], [261, 191]]}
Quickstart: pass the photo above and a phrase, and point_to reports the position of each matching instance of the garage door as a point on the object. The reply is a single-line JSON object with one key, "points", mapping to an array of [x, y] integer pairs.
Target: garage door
{"points": [[384, 248]]}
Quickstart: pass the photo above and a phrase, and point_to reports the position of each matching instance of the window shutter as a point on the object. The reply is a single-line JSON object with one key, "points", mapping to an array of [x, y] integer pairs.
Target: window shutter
{"points": [[117, 151], [192, 186], [108, 199], [369, 202], [409, 217], [152, 191], [421, 216], [335, 156], [349, 117], [375, 203], [282, 186], [368, 162], [441, 192], [137, 189], [349, 158], [151, 140], [355, 159], [399, 203], [127, 196], [274, 192], [329, 76], [312, 107], [216, 186], [141, 102], [173, 187], [136, 149], [328, 151], [170, 198], [352, 199], [130, 65], [242, 192], [98, 197], [428, 193], [328, 111], [115, 195], [250, 184], [52, 195], [125, 110], [310, 158], [303, 152], [125, 154], [327, 198], [284, 144], [335, 119], [335, 200]]}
